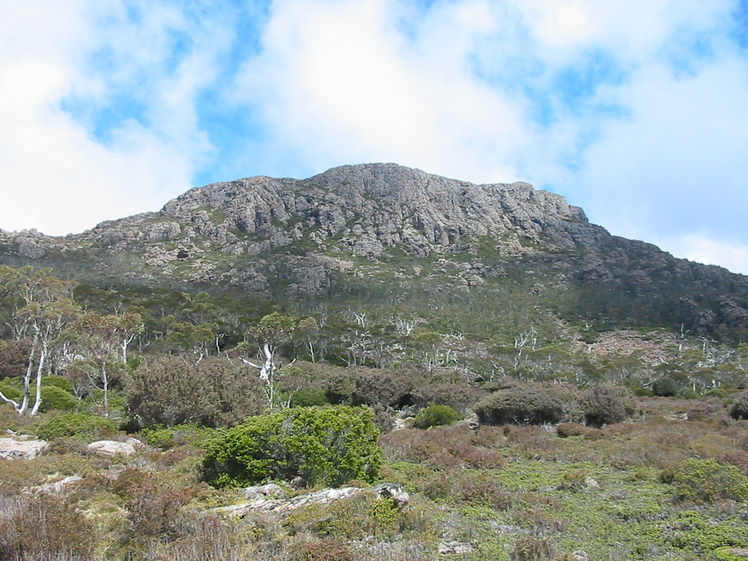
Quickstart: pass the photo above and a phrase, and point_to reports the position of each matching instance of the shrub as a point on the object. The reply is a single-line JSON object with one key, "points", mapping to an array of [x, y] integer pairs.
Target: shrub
{"points": [[565, 430], [602, 405], [533, 549], [665, 387], [522, 404], [58, 382], [178, 435], [43, 527], [319, 445], [309, 398], [739, 409], [435, 416], [55, 398], [78, 425], [172, 391], [323, 550], [708, 481]]}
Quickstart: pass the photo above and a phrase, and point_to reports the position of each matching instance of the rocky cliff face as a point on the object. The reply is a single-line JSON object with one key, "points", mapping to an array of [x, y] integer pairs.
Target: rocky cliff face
{"points": [[354, 220]]}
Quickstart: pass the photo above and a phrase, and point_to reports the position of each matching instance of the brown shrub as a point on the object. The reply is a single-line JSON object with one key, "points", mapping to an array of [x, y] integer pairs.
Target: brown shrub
{"points": [[322, 550], [738, 458], [43, 527], [463, 487], [565, 430], [440, 446], [533, 549]]}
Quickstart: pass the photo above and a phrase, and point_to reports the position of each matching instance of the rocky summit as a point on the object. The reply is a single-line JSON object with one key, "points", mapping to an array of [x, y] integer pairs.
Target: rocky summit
{"points": [[322, 235]]}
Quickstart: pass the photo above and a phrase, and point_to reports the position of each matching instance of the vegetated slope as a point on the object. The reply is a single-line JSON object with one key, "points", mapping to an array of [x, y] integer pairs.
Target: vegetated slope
{"points": [[384, 235]]}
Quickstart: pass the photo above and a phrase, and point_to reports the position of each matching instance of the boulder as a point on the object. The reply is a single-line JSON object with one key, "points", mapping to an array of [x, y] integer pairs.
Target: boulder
{"points": [[28, 449], [111, 448]]}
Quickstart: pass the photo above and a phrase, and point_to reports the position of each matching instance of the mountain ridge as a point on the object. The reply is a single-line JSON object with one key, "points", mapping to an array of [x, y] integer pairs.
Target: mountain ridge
{"points": [[297, 238]]}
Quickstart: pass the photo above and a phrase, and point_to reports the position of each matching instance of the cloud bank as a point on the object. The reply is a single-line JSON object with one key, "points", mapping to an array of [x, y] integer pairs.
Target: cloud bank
{"points": [[634, 110]]}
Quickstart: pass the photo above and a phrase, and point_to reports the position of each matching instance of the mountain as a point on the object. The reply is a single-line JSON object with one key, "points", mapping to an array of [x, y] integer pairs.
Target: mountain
{"points": [[378, 233]]}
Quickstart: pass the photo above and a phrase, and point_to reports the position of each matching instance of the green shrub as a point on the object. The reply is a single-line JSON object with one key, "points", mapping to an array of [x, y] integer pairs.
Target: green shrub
{"points": [[55, 398], [739, 409], [522, 404], [435, 416], [78, 425], [58, 382], [309, 398], [178, 435], [708, 481], [319, 445]]}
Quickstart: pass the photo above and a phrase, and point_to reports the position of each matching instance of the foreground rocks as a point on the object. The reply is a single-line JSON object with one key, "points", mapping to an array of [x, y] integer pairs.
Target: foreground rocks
{"points": [[271, 498], [111, 448], [21, 448]]}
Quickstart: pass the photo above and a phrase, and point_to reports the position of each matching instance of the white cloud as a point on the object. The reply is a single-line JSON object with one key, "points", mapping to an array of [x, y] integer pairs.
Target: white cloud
{"points": [[678, 164], [704, 249], [54, 174], [339, 82]]}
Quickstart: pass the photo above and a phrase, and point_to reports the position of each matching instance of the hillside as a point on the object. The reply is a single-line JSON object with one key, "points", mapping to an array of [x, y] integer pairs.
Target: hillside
{"points": [[374, 230], [371, 364]]}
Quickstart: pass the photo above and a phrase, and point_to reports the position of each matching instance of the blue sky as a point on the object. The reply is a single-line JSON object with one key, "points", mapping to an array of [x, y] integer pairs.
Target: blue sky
{"points": [[635, 110]]}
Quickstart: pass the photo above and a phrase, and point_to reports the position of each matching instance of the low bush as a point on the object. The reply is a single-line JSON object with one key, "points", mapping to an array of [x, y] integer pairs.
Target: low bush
{"points": [[565, 430], [43, 527], [706, 481], [309, 398], [739, 409], [435, 415], [455, 446], [533, 549], [76, 425], [665, 387], [522, 404], [178, 435], [322, 550], [317, 445], [603, 405]]}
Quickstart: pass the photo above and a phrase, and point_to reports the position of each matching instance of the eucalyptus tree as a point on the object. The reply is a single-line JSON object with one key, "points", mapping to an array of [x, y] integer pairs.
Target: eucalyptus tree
{"points": [[104, 339], [270, 333], [38, 306]]}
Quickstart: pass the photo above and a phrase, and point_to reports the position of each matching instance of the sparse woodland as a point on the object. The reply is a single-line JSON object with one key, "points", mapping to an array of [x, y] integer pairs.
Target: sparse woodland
{"points": [[517, 436]]}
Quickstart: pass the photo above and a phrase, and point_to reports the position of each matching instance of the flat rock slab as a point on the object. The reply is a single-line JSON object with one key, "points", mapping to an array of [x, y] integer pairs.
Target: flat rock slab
{"points": [[11, 449], [324, 497], [110, 448]]}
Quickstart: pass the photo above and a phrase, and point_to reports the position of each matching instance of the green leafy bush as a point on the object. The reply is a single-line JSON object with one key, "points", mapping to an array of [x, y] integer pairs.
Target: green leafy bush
{"points": [[55, 398], [435, 416], [708, 481], [521, 404], [178, 435], [309, 398], [78, 425], [58, 382], [319, 445]]}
